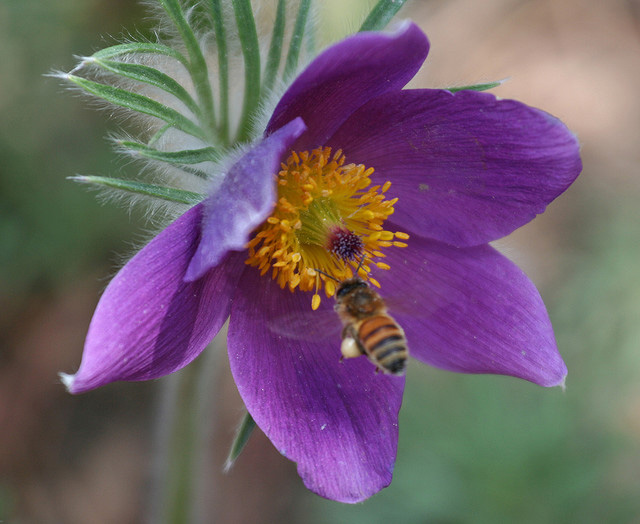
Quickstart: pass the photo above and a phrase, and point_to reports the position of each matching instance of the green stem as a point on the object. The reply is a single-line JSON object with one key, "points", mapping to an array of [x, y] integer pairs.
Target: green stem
{"points": [[182, 482], [204, 470], [174, 446]]}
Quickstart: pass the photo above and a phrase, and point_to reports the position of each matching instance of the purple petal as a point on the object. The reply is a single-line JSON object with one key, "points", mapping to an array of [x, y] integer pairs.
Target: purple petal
{"points": [[471, 310], [467, 168], [243, 201], [149, 322], [347, 75], [338, 421]]}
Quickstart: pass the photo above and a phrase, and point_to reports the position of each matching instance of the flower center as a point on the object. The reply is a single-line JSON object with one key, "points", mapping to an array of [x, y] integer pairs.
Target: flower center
{"points": [[327, 217]]}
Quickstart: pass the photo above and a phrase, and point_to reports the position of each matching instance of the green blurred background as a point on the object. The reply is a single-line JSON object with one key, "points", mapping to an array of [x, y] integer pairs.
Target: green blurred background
{"points": [[472, 448]]}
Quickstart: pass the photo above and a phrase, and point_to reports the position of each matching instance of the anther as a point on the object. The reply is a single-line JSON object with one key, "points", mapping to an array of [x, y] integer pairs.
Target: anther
{"points": [[329, 214]]}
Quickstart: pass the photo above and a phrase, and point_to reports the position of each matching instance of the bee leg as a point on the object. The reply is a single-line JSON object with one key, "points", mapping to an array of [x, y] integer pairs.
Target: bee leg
{"points": [[349, 348], [347, 332]]}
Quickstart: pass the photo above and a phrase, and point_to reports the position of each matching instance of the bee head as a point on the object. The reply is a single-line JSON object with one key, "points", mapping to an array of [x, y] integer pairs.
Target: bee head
{"points": [[349, 285]]}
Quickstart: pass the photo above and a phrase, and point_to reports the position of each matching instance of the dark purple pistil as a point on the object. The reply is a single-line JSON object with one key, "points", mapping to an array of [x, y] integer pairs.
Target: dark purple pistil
{"points": [[345, 244]]}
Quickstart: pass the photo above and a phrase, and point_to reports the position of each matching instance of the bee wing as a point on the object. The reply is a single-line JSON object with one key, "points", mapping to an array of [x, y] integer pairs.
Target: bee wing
{"points": [[307, 325], [410, 302], [400, 304], [325, 323]]}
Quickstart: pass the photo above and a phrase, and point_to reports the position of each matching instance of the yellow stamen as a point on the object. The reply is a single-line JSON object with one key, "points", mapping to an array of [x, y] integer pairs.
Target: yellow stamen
{"points": [[386, 235], [328, 216]]}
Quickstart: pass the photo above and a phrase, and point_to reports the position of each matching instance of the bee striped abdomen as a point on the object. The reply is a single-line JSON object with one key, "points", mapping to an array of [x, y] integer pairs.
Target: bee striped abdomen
{"points": [[385, 343], [367, 327]]}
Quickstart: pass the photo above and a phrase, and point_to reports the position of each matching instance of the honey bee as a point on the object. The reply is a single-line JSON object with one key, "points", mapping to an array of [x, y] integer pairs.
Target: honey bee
{"points": [[368, 329]]}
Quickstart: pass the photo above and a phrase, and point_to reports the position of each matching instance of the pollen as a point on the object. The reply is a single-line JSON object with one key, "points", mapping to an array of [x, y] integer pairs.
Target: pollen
{"points": [[327, 221]]}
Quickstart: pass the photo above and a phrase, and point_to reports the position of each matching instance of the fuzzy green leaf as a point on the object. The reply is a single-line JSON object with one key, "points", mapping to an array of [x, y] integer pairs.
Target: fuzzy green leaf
{"points": [[196, 172], [381, 15], [296, 39], [140, 47], [158, 134], [197, 64], [223, 67], [151, 190], [251, 52], [187, 156], [151, 76], [476, 87], [242, 437], [140, 103], [275, 48], [175, 12]]}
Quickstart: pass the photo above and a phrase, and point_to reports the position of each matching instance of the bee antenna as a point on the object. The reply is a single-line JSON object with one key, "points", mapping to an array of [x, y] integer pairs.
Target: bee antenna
{"points": [[360, 264], [326, 274]]}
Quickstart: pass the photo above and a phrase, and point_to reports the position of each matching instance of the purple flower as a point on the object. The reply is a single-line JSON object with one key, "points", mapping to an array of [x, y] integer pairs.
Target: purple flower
{"points": [[417, 182]]}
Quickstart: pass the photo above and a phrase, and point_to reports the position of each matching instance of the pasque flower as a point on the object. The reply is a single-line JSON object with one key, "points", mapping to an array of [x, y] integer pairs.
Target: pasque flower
{"points": [[351, 166]]}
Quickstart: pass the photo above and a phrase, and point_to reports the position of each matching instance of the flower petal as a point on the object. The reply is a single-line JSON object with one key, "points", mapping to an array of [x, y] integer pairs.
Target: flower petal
{"points": [[471, 310], [149, 322], [467, 168], [347, 75], [337, 420], [243, 201]]}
